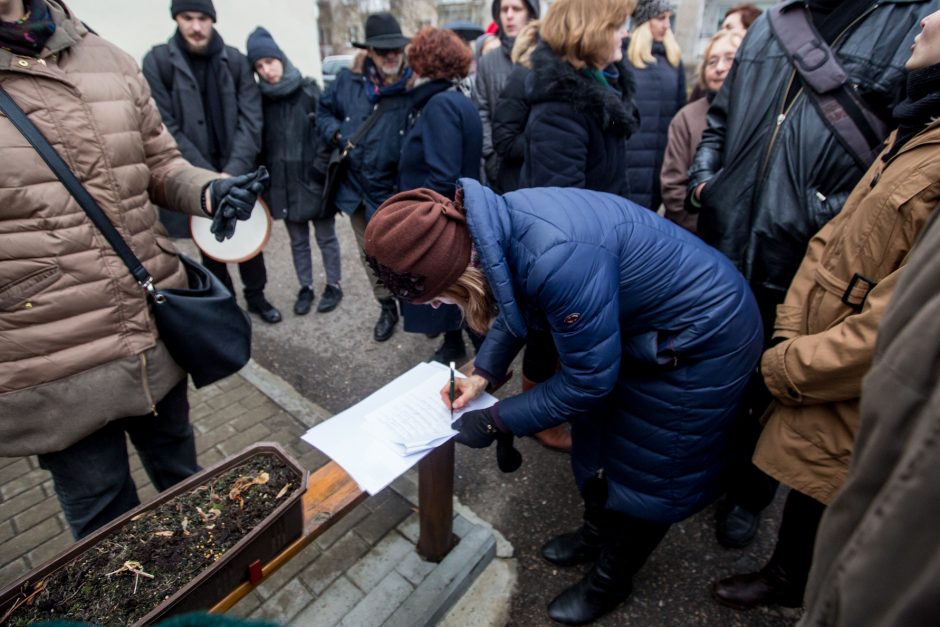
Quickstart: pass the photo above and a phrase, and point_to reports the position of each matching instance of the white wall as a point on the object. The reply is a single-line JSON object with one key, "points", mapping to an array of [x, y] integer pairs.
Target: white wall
{"points": [[137, 25]]}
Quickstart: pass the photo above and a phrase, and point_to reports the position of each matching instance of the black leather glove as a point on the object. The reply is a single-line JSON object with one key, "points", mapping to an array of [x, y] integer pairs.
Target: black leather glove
{"points": [[232, 199], [477, 428]]}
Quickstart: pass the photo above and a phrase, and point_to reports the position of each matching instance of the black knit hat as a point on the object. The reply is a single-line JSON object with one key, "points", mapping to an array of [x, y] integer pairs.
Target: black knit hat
{"points": [[199, 6], [261, 45]]}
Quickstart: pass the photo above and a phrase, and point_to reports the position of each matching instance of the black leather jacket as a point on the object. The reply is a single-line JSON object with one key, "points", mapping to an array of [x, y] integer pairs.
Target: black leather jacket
{"points": [[775, 176]]}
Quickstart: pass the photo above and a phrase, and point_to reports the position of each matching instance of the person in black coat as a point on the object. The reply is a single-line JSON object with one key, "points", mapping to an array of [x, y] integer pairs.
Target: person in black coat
{"points": [[582, 113], [582, 109], [444, 143], [211, 105], [510, 118], [289, 148]]}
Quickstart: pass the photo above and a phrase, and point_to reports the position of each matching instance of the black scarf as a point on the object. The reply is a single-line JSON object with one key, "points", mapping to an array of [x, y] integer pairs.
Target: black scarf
{"points": [[921, 107], [28, 36], [290, 82], [208, 69]]}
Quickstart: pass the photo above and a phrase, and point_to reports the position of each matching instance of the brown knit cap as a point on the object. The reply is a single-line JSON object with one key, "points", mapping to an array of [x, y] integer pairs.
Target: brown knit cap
{"points": [[418, 244]]}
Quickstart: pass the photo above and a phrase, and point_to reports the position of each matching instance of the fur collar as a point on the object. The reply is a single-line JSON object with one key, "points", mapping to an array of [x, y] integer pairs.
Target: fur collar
{"points": [[555, 79]]}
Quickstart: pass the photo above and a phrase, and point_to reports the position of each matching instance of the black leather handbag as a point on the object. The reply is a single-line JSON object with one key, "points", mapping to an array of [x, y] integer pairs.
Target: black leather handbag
{"points": [[204, 329], [336, 162]]}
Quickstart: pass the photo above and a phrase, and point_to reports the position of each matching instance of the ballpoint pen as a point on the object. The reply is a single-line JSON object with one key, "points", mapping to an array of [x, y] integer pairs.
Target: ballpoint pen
{"points": [[452, 391]]}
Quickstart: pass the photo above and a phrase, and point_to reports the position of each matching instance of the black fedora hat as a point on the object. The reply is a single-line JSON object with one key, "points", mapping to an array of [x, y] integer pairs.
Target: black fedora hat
{"points": [[382, 32]]}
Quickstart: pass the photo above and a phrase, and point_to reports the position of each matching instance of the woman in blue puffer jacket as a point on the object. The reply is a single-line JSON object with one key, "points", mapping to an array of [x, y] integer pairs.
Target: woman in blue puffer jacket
{"points": [[658, 335]]}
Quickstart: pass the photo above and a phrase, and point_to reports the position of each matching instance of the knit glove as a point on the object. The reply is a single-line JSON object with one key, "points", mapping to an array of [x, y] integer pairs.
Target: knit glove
{"points": [[232, 199]]}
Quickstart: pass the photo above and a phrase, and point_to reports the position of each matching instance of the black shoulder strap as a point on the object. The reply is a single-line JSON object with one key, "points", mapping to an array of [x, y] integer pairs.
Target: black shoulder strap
{"points": [[847, 115], [74, 187], [366, 126]]}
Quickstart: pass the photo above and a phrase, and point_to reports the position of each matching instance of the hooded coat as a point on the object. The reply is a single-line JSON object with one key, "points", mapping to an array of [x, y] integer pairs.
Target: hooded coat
{"points": [[493, 70], [78, 343], [577, 128], [657, 334]]}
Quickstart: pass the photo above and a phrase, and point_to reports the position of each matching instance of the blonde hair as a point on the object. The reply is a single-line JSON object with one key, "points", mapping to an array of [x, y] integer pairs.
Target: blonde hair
{"points": [[640, 51], [736, 36], [579, 31], [471, 293], [526, 41]]}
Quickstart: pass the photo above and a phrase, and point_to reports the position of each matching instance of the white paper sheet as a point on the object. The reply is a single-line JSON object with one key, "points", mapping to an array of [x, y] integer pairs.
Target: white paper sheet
{"points": [[355, 442]]}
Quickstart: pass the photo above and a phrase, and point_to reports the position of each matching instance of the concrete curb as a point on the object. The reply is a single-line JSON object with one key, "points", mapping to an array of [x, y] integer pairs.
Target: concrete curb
{"points": [[439, 594], [283, 394]]}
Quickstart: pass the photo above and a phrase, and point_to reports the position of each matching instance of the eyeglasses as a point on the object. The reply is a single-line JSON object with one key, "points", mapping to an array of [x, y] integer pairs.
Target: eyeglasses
{"points": [[384, 52]]}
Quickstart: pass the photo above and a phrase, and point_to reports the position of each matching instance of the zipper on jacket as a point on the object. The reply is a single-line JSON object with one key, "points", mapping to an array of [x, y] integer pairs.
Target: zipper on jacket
{"points": [[146, 384], [784, 111]]}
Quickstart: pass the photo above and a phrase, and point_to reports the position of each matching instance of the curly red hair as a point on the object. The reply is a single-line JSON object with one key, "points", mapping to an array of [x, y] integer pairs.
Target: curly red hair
{"points": [[439, 53]]}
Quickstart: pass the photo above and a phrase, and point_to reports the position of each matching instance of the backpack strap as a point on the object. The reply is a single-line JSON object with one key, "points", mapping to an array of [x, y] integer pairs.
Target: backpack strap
{"points": [[847, 116]]}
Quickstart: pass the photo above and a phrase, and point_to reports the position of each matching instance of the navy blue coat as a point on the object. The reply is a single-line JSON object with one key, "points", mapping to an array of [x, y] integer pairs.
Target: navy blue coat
{"points": [[660, 93], [657, 334], [371, 169], [577, 128], [444, 143]]}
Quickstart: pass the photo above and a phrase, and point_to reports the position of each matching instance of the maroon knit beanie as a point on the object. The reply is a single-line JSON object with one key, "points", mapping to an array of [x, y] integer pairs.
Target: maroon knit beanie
{"points": [[418, 244]]}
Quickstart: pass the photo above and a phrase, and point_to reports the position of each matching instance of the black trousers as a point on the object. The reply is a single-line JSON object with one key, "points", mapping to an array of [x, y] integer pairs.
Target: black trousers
{"points": [[793, 555], [746, 484], [253, 273]]}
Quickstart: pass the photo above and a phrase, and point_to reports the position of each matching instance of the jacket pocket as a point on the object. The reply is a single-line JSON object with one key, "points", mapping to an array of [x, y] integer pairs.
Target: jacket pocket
{"points": [[17, 293]]}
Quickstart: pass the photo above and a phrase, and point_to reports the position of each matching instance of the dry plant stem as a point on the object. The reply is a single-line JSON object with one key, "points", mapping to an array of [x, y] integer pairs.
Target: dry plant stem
{"points": [[132, 567]]}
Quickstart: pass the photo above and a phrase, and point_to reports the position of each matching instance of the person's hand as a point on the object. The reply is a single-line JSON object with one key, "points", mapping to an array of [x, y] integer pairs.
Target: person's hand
{"points": [[698, 191], [477, 428], [465, 390], [232, 199]]}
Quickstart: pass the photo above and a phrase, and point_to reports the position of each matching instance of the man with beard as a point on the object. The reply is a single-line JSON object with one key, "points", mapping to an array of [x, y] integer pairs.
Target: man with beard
{"points": [[493, 71], [376, 84], [210, 102]]}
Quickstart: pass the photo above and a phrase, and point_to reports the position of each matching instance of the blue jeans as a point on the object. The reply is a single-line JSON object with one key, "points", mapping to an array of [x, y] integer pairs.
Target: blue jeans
{"points": [[93, 477]]}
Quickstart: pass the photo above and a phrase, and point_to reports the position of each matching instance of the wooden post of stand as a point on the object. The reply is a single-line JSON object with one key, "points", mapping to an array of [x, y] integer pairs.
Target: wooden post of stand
{"points": [[436, 503]]}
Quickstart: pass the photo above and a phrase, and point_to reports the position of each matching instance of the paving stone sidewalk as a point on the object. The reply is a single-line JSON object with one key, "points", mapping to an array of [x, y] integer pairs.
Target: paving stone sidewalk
{"points": [[363, 571]]}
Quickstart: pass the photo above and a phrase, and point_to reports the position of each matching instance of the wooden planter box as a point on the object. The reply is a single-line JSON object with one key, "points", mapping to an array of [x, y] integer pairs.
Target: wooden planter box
{"points": [[241, 562]]}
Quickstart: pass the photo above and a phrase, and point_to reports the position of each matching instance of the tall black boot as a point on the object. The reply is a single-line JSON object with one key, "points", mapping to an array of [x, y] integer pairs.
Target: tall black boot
{"points": [[610, 581], [584, 544]]}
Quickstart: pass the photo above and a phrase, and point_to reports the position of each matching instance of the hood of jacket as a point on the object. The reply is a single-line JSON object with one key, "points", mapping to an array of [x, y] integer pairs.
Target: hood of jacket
{"points": [[532, 5], [555, 79]]}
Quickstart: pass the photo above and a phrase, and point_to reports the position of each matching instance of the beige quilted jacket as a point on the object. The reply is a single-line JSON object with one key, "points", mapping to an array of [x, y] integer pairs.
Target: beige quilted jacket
{"points": [[78, 345]]}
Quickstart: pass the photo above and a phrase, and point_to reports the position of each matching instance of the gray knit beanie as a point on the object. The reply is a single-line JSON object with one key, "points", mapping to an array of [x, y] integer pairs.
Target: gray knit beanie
{"points": [[647, 10]]}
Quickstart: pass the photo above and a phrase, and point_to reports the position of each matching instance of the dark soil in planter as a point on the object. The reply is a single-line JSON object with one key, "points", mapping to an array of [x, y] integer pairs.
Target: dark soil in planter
{"points": [[129, 573]]}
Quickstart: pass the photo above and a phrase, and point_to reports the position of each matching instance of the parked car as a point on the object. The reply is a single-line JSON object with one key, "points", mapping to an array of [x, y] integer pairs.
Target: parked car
{"points": [[333, 64]]}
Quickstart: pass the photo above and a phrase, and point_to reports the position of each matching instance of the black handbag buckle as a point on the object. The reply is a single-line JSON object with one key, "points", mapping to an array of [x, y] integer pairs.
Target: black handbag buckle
{"points": [[853, 283]]}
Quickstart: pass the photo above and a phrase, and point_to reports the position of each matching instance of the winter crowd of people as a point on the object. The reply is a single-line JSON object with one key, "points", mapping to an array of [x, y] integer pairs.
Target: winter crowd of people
{"points": [[716, 288]]}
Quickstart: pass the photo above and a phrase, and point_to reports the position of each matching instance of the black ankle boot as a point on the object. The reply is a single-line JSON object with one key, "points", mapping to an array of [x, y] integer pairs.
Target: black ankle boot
{"points": [[604, 587], [388, 318], [577, 547], [584, 545]]}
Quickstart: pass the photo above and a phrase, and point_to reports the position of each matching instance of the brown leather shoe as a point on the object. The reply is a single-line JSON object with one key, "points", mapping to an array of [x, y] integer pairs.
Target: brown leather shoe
{"points": [[557, 438], [748, 590]]}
